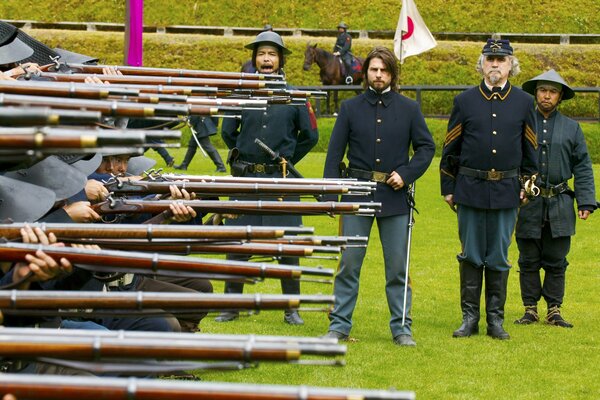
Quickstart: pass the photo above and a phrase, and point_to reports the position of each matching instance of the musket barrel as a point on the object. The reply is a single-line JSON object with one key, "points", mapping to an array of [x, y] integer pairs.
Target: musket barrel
{"points": [[46, 387], [18, 116]]}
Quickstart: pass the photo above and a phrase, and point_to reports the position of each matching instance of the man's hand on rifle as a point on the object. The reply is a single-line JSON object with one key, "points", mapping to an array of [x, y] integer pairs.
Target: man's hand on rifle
{"points": [[181, 194], [181, 213], [395, 181], [95, 191], [94, 80], [81, 211], [40, 266]]}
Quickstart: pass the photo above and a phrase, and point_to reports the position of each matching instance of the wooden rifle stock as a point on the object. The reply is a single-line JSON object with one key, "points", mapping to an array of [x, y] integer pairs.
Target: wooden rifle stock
{"points": [[184, 73], [64, 89], [42, 387], [168, 80], [63, 303], [124, 206], [120, 261], [16, 116], [149, 232]]}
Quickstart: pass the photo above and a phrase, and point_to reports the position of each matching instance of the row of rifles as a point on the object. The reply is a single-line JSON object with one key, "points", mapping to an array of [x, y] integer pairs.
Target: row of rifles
{"points": [[55, 113]]}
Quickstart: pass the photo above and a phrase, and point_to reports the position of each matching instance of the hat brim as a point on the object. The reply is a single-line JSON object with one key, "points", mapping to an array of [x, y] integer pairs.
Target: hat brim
{"points": [[252, 45], [138, 165], [531, 86], [22, 201], [75, 58], [14, 51], [501, 52]]}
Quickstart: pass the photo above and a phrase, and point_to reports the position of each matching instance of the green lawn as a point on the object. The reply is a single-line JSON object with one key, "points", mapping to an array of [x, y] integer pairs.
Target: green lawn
{"points": [[539, 362]]}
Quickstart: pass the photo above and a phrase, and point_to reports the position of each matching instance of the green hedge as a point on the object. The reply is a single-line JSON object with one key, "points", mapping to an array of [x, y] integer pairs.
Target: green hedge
{"points": [[551, 16]]}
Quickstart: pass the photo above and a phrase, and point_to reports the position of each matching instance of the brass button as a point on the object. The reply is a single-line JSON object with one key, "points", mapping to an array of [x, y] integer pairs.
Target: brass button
{"points": [[543, 152], [379, 102], [544, 141], [493, 169], [494, 115], [494, 133], [264, 126], [545, 131], [494, 151], [378, 140], [378, 161], [378, 120]]}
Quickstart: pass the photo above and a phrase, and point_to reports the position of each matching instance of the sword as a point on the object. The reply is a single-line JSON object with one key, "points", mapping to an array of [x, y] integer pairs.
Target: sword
{"points": [[411, 223]]}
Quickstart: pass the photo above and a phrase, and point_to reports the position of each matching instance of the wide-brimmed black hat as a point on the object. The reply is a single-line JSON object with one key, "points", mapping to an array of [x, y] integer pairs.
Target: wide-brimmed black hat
{"points": [[497, 47], [22, 201], [75, 58], [551, 77], [138, 165], [54, 174], [42, 54], [12, 49]]}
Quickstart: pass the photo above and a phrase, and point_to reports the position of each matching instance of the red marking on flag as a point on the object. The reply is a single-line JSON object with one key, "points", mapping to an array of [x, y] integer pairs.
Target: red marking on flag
{"points": [[411, 29]]}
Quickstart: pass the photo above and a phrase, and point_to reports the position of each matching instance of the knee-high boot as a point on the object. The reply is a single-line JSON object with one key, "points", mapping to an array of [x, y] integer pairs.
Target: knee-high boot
{"points": [[471, 280], [495, 297], [189, 154]]}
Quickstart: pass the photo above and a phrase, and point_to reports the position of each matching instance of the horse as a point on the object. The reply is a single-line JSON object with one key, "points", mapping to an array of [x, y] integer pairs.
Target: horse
{"points": [[331, 71]]}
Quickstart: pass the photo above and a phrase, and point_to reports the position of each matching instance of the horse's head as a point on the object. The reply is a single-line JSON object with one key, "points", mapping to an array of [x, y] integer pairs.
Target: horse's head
{"points": [[309, 55]]}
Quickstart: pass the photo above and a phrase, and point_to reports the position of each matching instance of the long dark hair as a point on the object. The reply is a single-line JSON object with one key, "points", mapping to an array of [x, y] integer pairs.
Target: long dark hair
{"points": [[389, 60]]}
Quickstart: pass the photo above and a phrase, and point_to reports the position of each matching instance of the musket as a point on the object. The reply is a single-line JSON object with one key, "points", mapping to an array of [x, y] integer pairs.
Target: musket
{"points": [[168, 80], [31, 155], [99, 348], [198, 100], [103, 137], [88, 304], [174, 72], [43, 387], [66, 231], [116, 108], [124, 206], [121, 187], [160, 264], [300, 94], [343, 241], [64, 89], [187, 247], [32, 116], [353, 185], [40, 138]]}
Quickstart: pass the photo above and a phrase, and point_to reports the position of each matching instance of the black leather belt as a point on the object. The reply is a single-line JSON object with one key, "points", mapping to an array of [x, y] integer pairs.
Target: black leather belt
{"points": [[260, 168], [375, 176], [492, 175], [552, 191]]}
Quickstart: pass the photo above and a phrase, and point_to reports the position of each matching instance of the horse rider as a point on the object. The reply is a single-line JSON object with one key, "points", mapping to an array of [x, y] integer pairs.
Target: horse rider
{"points": [[342, 49]]}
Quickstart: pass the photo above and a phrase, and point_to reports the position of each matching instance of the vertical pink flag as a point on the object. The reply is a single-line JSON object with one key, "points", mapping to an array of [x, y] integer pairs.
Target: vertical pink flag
{"points": [[134, 28]]}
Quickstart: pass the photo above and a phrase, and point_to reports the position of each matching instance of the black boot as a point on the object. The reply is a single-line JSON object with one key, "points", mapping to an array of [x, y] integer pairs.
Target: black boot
{"points": [[189, 154], [216, 159], [495, 297], [471, 280], [530, 317], [554, 318]]}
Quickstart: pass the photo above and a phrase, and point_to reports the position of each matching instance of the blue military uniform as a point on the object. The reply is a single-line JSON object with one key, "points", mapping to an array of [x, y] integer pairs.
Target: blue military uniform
{"points": [[202, 128], [378, 131], [343, 45], [547, 222], [287, 129], [489, 149]]}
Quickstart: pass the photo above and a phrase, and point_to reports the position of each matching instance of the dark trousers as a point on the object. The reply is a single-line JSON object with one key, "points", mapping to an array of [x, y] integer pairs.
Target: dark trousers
{"points": [[545, 253], [208, 147], [288, 286]]}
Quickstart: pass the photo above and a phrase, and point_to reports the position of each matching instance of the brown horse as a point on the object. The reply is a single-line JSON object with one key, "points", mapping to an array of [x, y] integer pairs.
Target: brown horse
{"points": [[330, 65]]}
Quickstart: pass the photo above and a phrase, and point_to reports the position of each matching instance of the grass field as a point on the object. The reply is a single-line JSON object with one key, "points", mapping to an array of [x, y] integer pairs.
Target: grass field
{"points": [[539, 362]]}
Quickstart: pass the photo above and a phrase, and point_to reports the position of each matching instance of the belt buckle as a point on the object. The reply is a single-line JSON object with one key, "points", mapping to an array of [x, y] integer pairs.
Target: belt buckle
{"points": [[494, 175], [379, 176], [260, 168]]}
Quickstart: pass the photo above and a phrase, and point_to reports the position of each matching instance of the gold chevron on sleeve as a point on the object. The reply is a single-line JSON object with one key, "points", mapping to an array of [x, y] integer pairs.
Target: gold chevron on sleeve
{"points": [[453, 134], [531, 136]]}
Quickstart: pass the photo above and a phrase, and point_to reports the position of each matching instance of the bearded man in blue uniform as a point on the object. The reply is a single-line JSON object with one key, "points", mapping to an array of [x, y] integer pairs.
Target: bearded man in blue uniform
{"points": [[378, 128], [546, 224], [289, 130], [489, 154]]}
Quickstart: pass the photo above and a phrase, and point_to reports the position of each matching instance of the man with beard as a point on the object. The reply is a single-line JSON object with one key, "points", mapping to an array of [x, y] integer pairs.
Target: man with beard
{"points": [[546, 224], [290, 130], [378, 128], [489, 157]]}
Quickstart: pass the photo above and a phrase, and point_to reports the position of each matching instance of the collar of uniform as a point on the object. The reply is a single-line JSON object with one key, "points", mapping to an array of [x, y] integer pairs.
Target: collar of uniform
{"points": [[487, 93], [542, 116], [373, 97]]}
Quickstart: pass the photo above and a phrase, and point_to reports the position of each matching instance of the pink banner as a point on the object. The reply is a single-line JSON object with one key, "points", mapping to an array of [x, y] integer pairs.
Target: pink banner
{"points": [[134, 29]]}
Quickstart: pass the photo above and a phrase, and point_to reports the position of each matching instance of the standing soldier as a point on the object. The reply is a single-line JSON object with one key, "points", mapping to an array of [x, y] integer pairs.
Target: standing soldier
{"points": [[378, 128], [343, 48], [546, 224], [489, 156], [289, 130], [202, 128]]}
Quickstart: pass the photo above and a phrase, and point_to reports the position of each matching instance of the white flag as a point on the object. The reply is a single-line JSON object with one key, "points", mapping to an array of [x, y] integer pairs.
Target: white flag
{"points": [[412, 36]]}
